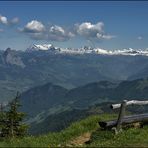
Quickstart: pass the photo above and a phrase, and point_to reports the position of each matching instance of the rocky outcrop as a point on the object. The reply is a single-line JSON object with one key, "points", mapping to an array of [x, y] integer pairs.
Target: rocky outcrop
{"points": [[10, 57]]}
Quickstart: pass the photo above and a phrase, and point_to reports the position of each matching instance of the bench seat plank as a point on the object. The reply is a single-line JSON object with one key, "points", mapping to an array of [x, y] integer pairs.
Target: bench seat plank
{"points": [[125, 120]]}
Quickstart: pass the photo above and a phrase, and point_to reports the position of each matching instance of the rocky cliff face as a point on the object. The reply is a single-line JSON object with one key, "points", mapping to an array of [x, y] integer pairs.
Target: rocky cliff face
{"points": [[10, 57]]}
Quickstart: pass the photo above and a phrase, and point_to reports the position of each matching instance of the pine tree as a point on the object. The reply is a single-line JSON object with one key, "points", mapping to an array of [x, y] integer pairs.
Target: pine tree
{"points": [[2, 118], [13, 120]]}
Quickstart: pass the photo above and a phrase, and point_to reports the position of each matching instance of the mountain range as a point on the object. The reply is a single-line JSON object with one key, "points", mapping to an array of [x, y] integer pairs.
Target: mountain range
{"points": [[87, 50], [69, 68], [62, 85], [44, 97], [54, 105]]}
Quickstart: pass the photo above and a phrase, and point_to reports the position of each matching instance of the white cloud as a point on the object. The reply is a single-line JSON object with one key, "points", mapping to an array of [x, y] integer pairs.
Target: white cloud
{"points": [[3, 20], [36, 30], [57, 33], [34, 27], [70, 34], [140, 38], [93, 31], [87, 29], [57, 30]]}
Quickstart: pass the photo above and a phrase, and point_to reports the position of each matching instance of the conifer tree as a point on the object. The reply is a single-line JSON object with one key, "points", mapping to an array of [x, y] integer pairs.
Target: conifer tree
{"points": [[2, 118], [13, 120]]}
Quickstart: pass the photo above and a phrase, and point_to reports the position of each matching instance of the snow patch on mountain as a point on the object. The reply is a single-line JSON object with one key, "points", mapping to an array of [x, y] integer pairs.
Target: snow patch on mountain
{"points": [[44, 47], [87, 50]]}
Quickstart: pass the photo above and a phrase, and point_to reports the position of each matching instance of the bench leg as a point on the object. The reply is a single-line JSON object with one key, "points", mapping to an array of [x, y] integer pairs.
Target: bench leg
{"points": [[121, 116]]}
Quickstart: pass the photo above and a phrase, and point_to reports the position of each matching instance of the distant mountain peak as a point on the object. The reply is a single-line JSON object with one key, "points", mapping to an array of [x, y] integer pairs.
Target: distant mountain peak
{"points": [[43, 47], [10, 57], [8, 49]]}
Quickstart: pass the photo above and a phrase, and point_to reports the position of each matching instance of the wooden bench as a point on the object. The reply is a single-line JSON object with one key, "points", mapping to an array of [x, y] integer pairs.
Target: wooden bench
{"points": [[122, 119], [125, 120]]}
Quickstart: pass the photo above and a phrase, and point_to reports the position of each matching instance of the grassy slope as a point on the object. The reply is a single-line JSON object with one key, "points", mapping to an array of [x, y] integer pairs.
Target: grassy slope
{"points": [[130, 137]]}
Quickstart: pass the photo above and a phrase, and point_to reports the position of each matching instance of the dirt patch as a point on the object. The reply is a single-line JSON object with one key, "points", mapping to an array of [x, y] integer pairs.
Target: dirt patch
{"points": [[79, 141]]}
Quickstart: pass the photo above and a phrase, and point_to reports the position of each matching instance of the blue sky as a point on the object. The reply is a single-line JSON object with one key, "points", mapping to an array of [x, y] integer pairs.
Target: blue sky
{"points": [[108, 25]]}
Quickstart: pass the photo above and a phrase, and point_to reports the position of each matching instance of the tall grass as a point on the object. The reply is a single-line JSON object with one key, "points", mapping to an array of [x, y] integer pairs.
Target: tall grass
{"points": [[132, 137], [60, 138], [128, 138]]}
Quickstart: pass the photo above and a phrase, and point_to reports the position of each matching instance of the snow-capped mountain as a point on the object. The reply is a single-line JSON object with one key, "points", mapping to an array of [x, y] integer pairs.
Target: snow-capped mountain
{"points": [[68, 67], [87, 50], [44, 47], [129, 51]]}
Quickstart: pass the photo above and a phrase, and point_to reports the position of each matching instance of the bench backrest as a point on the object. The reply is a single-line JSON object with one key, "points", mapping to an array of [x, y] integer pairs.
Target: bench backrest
{"points": [[122, 107]]}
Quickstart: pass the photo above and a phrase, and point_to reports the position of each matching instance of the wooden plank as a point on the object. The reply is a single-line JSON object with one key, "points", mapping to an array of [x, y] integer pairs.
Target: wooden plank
{"points": [[125, 120], [121, 115], [132, 102]]}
